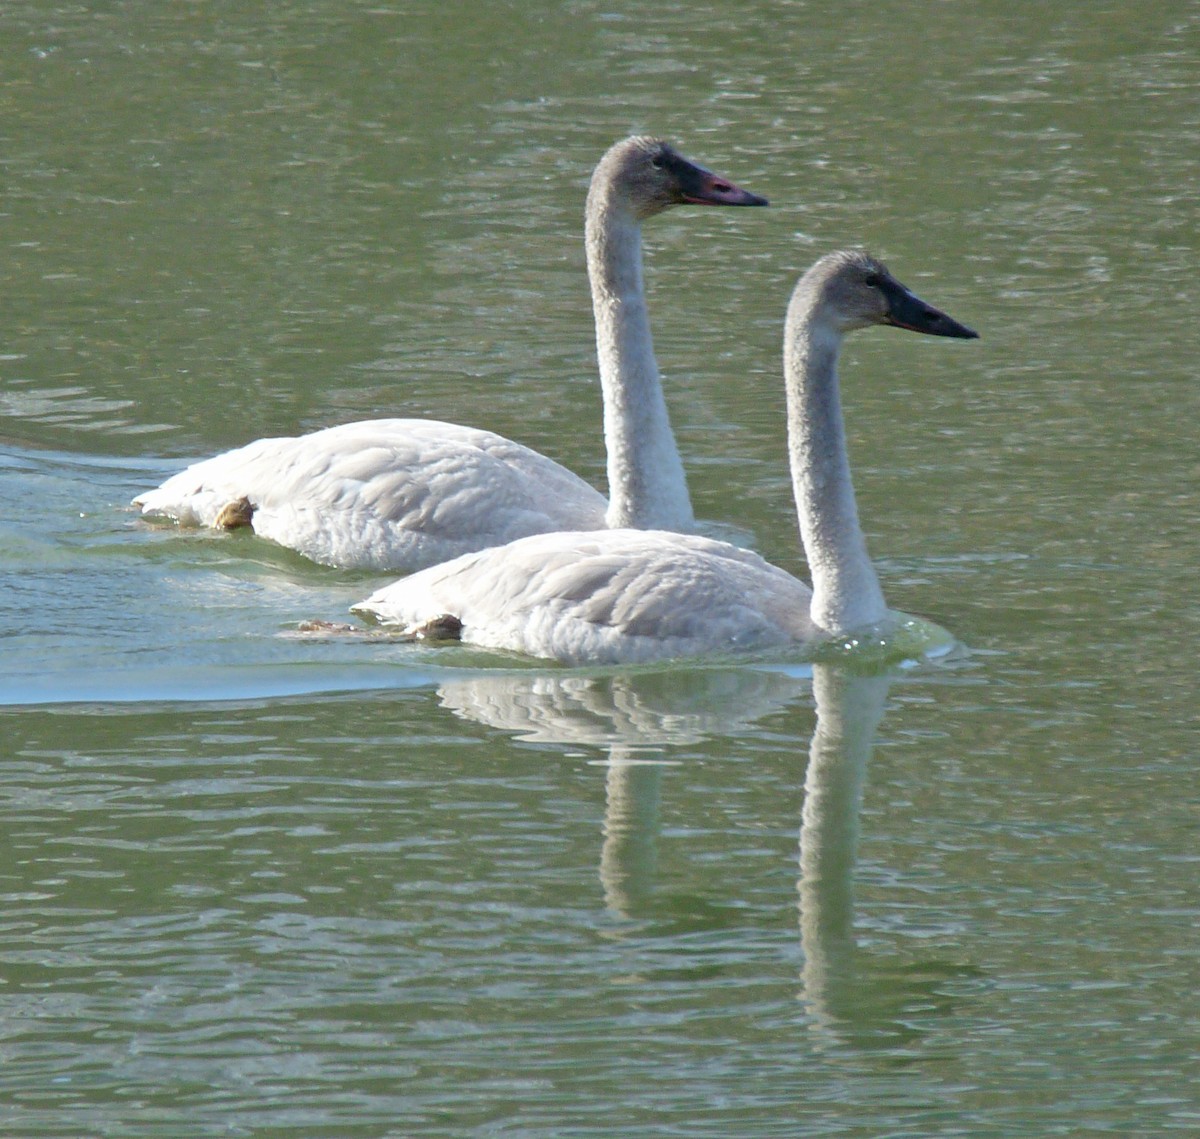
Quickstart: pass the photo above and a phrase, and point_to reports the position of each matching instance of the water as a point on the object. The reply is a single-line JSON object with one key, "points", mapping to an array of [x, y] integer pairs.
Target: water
{"points": [[258, 883]]}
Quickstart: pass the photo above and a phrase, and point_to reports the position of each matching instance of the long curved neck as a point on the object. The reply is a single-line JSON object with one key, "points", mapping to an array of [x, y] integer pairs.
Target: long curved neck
{"points": [[846, 591], [646, 484]]}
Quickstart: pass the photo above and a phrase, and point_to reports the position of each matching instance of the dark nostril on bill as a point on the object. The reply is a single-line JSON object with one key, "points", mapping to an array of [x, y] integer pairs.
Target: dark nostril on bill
{"points": [[722, 187]]}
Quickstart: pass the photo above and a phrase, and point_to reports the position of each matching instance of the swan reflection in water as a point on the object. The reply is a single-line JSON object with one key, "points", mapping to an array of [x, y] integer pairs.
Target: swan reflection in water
{"points": [[849, 709], [633, 716]]}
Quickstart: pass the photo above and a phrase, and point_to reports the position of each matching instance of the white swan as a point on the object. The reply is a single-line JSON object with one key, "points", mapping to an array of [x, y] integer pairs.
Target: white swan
{"points": [[631, 596], [406, 493]]}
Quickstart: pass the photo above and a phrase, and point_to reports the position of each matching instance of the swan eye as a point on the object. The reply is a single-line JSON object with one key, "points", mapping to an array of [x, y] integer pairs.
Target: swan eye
{"points": [[658, 162], [872, 280]]}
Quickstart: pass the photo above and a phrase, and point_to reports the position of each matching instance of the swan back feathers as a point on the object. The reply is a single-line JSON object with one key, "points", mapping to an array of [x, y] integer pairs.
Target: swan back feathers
{"points": [[607, 597]]}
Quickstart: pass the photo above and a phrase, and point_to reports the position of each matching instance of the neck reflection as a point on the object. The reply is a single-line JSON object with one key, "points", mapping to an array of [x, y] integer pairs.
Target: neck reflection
{"points": [[849, 709]]}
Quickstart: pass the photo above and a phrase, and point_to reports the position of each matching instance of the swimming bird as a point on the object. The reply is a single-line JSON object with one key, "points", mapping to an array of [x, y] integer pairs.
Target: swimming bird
{"points": [[628, 596], [407, 493]]}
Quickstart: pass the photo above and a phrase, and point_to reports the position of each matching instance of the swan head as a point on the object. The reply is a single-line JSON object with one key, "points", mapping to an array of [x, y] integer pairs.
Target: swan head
{"points": [[647, 176], [852, 289]]}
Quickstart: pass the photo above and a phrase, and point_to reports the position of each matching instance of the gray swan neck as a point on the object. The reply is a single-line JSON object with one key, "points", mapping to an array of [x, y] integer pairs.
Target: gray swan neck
{"points": [[646, 482], [846, 592]]}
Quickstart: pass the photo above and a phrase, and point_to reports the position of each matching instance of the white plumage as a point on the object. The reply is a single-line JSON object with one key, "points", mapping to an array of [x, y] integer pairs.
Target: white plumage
{"points": [[606, 597], [406, 493], [627, 596], [384, 492]]}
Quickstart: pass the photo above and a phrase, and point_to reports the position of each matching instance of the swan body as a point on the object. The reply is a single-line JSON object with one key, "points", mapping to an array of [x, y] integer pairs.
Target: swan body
{"points": [[382, 492], [406, 493], [626, 596], [606, 597]]}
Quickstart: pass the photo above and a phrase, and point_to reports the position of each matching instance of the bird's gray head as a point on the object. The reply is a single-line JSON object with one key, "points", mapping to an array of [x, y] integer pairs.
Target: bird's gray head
{"points": [[854, 290], [647, 176]]}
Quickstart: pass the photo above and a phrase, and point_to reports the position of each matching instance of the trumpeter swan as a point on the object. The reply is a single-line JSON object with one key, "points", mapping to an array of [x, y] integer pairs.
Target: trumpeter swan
{"points": [[632, 596], [406, 493]]}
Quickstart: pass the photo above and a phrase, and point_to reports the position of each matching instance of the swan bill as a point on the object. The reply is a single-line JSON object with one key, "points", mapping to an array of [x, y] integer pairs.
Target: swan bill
{"points": [[700, 187], [906, 310]]}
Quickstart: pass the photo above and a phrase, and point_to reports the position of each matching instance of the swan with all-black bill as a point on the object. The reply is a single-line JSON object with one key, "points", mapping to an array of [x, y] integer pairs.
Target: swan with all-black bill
{"points": [[629, 596], [406, 493]]}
